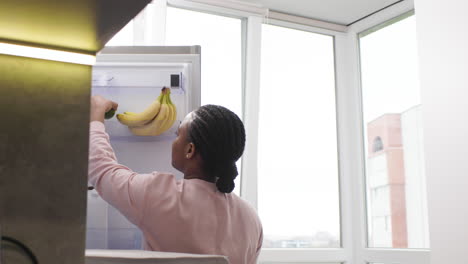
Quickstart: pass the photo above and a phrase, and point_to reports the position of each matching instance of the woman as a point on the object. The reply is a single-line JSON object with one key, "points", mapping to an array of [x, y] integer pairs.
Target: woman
{"points": [[197, 214]]}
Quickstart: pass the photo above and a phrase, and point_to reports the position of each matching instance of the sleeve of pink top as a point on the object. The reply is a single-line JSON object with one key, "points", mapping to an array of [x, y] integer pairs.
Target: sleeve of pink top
{"points": [[260, 243], [115, 183]]}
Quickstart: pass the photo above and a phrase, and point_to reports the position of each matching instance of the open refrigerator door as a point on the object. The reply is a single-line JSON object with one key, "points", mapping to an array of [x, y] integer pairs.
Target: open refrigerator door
{"points": [[134, 78]]}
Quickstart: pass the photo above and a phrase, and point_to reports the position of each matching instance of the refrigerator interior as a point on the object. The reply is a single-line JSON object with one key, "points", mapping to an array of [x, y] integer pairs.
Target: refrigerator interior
{"points": [[134, 86]]}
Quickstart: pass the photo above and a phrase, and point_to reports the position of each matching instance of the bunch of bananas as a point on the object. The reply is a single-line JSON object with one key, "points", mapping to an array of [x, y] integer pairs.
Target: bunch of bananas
{"points": [[158, 117]]}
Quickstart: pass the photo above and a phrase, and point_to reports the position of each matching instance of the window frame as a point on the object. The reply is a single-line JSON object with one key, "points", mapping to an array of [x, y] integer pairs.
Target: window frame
{"points": [[350, 141], [313, 255], [365, 254]]}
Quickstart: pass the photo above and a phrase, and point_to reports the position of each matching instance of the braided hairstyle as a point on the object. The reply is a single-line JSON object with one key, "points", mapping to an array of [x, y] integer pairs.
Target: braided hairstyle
{"points": [[219, 136]]}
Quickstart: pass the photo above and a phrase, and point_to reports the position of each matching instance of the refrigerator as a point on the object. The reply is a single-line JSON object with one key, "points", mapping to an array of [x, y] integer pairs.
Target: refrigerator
{"points": [[133, 77]]}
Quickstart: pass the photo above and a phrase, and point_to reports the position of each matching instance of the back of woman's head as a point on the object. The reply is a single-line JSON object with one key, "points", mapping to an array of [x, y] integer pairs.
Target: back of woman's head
{"points": [[219, 136]]}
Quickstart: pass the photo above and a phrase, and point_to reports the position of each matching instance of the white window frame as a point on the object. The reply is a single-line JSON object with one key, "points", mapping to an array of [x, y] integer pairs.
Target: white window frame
{"points": [[353, 213], [297, 255], [353, 145]]}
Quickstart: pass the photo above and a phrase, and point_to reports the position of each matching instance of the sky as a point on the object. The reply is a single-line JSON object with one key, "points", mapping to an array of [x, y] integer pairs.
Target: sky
{"points": [[389, 61]]}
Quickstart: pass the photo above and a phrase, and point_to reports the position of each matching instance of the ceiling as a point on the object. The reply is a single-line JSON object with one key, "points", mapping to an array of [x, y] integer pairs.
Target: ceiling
{"points": [[343, 12]]}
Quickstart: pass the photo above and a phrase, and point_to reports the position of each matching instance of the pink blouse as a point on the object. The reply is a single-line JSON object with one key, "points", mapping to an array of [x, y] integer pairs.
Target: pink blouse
{"points": [[187, 216]]}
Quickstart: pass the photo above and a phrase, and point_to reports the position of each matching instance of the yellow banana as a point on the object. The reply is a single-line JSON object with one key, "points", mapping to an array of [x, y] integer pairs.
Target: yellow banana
{"points": [[138, 119], [169, 119], [173, 116], [156, 126], [172, 112]]}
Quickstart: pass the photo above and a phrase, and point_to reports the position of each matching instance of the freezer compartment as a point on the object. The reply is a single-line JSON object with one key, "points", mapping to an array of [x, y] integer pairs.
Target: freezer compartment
{"points": [[135, 87]]}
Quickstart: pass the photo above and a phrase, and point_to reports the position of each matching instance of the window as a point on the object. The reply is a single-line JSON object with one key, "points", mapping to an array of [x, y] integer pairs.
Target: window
{"points": [[220, 41], [298, 193], [392, 114], [221, 52]]}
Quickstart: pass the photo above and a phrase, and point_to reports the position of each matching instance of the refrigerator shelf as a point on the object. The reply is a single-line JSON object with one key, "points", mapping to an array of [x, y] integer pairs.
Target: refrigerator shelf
{"points": [[162, 137], [154, 90], [118, 131], [137, 98]]}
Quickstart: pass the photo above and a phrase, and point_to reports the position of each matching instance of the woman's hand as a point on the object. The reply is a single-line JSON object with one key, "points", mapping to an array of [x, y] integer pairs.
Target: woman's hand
{"points": [[99, 107]]}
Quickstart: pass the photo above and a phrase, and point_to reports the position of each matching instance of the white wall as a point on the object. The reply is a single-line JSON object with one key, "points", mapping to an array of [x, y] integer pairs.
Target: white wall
{"points": [[415, 178], [443, 50]]}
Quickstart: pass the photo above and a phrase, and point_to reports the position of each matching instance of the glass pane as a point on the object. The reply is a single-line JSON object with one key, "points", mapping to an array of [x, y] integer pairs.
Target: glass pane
{"points": [[396, 195], [221, 68], [298, 192]]}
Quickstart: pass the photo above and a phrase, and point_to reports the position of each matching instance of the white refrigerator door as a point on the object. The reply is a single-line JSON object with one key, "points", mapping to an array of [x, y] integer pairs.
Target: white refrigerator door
{"points": [[134, 77]]}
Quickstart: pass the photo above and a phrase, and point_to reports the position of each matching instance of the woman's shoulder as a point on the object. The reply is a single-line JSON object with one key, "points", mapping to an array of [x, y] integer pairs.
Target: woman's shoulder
{"points": [[243, 204], [161, 175], [247, 212], [162, 180]]}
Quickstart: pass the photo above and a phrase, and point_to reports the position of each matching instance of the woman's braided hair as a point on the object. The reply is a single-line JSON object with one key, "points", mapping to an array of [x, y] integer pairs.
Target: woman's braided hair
{"points": [[219, 136]]}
